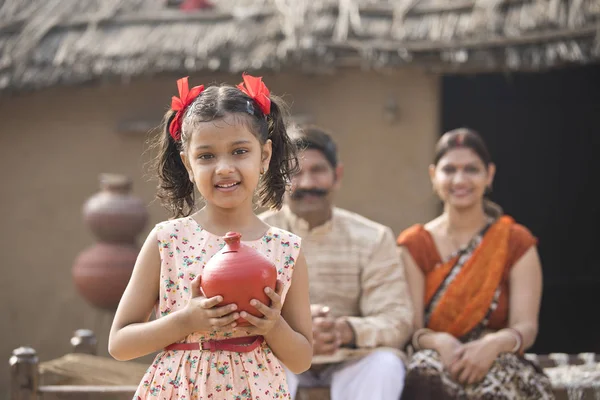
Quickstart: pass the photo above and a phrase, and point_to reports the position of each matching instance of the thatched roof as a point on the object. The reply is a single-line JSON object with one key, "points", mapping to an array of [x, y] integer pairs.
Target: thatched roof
{"points": [[49, 42]]}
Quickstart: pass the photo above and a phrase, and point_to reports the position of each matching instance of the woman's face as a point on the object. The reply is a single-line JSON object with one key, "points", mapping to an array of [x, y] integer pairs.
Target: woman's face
{"points": [[460, 178]]}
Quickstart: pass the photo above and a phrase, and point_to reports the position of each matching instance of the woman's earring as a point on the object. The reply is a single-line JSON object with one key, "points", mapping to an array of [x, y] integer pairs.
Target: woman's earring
{"points": [[262, 170]]}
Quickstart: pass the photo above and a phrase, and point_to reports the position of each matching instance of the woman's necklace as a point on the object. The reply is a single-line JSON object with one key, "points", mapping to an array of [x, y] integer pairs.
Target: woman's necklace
{"points": [[458, 246]]}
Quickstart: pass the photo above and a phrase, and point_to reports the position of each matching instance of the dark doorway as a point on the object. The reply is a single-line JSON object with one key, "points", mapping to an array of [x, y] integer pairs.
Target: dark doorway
{"points": [[543, 130]]}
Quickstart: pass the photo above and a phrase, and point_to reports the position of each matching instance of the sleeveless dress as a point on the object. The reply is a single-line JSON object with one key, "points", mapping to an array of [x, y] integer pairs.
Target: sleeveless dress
{"points": [[185, 248]]}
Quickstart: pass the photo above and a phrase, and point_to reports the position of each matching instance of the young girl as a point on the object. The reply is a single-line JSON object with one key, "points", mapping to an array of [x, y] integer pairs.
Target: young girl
{"points": [[226, 141]]}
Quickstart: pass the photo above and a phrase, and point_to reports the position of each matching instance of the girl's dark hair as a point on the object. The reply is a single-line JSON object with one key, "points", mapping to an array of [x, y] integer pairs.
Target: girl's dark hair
{"points": [[175, 190], [468, 138]]}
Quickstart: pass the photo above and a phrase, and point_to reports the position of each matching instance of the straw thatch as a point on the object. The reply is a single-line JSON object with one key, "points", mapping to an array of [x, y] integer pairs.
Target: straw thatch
{"points": [[49, 42]]}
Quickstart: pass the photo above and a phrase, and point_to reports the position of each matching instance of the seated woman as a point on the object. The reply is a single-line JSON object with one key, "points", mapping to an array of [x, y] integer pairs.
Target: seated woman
{"points": [[476, 282]]}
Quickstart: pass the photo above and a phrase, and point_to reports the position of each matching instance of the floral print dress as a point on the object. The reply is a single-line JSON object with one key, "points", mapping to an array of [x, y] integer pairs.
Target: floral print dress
{"points": [[185, 248]]}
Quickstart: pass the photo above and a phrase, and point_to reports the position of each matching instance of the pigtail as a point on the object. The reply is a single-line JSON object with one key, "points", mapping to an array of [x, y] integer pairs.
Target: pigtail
{"points": [[284, 160], [175, 190]]}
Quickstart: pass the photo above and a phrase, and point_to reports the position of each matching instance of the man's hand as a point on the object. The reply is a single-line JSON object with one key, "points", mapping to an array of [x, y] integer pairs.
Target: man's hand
{"points": [[344, 329], [319, 310], [326, 338]]}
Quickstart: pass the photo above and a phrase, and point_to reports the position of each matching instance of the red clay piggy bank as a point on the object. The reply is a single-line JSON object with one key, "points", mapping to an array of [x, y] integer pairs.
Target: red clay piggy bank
{"points": [[239, 273]]}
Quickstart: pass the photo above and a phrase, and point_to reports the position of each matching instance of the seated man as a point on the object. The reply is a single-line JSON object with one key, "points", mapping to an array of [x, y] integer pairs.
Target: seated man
{"points": [[362, 314]]}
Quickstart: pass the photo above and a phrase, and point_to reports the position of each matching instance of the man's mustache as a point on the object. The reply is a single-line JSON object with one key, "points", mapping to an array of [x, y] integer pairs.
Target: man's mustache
{"points": [[299, 194]]}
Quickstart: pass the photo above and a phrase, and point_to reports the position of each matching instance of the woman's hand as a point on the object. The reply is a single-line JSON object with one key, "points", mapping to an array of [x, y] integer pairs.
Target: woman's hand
{"points": [[271, 315], [202, 314], [446, 345], [473, 361]]}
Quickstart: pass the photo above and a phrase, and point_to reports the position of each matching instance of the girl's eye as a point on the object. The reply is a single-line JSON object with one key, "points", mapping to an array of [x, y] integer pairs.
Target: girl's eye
{"points": [[449, 169], [240, 151], [205, 156]]}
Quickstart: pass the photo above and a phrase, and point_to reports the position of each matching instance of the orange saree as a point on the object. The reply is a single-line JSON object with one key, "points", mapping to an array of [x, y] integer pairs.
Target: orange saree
{"points": [[465, 296], [466, 299], [470, 289]]}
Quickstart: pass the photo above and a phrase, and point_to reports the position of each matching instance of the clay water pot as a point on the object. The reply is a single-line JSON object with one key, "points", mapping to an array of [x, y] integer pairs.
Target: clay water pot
{"points": [[114, 214], [239, 274], [102, 271]]}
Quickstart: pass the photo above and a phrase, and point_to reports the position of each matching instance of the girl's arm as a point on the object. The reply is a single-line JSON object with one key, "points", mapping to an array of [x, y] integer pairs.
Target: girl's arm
{"points": [[287, 330], [131, 334], [291, 339]]}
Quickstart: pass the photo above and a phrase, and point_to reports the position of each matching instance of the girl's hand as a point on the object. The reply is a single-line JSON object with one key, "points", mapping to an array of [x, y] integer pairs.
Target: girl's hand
{"points": [[202, 315], [473, 361], [272, 315]]}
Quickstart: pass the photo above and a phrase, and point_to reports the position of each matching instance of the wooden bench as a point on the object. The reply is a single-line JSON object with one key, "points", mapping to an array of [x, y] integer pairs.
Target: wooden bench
{"points": [[82, 373], [75, 375]]}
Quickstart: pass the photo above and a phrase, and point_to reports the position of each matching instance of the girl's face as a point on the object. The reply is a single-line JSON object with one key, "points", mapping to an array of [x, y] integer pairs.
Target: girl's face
{"points": [[460, 178], [224, 160]]}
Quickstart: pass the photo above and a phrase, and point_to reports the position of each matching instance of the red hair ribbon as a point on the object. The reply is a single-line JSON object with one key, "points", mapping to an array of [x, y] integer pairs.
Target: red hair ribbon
{"points": [[256, 89], [180, 104]]}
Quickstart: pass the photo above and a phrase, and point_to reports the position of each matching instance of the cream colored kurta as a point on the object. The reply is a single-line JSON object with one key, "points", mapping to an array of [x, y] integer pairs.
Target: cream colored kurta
{"points": [[354, 268]]}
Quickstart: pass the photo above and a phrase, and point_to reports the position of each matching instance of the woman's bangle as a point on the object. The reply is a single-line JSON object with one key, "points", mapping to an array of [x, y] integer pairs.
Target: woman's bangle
{"points": [[417, 335], [518, 339]]}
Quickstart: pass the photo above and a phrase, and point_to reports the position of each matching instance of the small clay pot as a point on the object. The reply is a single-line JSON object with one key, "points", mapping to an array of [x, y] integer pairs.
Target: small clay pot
{"points": [[239, 274]]}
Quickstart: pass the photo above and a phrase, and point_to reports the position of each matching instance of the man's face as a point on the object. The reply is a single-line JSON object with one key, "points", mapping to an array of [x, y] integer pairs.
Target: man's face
{"points": [[313, 187]]}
